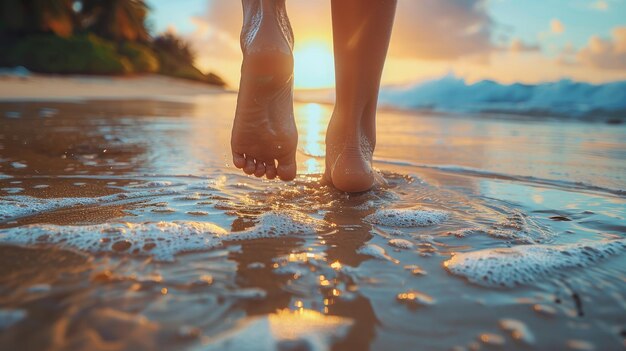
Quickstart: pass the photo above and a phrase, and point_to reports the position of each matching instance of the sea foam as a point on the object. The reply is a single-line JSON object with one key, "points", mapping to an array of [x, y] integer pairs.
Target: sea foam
{"points": [[407, 217], [162, 240], [15, 206], [524, 264], [281, 223], [19, 205]]}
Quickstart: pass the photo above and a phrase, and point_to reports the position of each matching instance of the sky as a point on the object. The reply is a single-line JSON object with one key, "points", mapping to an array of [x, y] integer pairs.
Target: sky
{"points": [[528, 41]]}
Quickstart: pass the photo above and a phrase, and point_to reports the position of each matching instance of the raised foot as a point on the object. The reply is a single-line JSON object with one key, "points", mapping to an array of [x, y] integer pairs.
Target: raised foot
{"points": [[264, 136]]}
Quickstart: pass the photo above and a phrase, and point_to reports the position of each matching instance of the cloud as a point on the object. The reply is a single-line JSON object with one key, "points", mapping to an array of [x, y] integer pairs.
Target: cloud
{"points": [[518, 46], [425, 29], [599, 5], [567, 56], [442, 29], [557, 26], [605, 53]]}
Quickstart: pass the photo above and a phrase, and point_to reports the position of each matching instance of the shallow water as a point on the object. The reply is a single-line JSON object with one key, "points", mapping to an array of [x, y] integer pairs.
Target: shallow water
{"points": [[123, 227]]}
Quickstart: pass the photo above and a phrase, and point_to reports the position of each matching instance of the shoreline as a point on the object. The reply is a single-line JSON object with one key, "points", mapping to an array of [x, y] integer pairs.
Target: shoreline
{"points": [[44, 87]]}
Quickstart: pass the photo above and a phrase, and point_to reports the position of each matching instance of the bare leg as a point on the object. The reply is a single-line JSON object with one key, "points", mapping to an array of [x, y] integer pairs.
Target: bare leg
{"points": [[361, 33], [264, 130]]}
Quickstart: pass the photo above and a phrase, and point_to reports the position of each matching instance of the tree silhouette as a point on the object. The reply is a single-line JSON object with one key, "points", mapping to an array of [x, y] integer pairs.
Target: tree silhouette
{"points": [[33, 16], [116, 20]]}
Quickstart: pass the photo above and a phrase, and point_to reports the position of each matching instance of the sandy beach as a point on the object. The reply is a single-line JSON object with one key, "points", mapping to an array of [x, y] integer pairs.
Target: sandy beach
{"points": [[50, 87], [123, 226]]}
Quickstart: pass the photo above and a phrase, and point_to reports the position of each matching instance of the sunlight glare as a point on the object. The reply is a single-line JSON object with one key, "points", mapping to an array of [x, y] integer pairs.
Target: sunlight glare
{"points": [[314, 65]]}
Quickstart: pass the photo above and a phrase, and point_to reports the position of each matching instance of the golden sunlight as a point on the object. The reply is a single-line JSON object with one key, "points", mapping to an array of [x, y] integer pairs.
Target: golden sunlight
{"points": [[314, 65]]}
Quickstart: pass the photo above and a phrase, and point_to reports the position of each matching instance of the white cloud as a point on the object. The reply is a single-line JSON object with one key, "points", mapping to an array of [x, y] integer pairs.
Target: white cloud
{"points": [[557, 26], [442, 29], [518, 46], [605, 53]]}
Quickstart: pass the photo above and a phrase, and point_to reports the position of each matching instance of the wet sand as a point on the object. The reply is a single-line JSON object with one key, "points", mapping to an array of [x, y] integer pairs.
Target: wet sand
{"points": [[124, 227]]}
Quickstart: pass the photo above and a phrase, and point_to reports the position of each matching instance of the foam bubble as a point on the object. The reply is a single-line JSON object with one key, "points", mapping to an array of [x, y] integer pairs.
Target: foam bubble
{"points": [[518, 330], [20, 205], [407, 217], [13, 190], [48, 112], [284, 330], [155, 184], [517, 227], [18, 165], [376, 251], [281, 223], [525, 264], [491, 339], [161, 240], [401, 243]]}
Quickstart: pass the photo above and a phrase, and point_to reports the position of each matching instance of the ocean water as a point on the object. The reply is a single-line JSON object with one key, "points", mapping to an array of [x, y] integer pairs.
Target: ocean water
{"points": [[124, 227], [563, 99]]}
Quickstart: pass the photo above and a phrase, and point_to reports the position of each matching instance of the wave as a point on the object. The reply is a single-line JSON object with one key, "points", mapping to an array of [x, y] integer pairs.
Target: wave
{"points": [[564, 98]]}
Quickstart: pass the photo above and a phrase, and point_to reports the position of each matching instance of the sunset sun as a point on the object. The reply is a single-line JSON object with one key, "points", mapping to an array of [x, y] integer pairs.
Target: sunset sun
{"points": [[314, 65]]}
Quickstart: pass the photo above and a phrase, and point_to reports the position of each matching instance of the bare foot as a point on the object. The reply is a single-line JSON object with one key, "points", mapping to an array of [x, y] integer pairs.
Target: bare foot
{"points": [[264, 131], [349, 150]]}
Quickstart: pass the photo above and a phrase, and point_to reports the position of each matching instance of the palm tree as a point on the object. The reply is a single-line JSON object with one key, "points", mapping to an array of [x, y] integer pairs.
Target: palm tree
{"points": [[117, 20], [31, 16]]}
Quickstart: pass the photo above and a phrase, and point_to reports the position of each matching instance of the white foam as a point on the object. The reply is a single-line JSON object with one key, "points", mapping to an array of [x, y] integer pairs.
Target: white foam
{"points": [[376, 251], [10, 317], [48, 112], [525, 264], [281, 223], [518, 330], [407, 217], [155, 184], [39, 288], [292, 330], [13, 190], [18, 165], [162, 240], [401, 243], [517, 227], [20, 205]]}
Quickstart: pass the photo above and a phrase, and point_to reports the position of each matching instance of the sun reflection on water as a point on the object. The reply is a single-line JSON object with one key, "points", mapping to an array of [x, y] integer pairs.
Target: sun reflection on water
{"points": [[312, 121]]}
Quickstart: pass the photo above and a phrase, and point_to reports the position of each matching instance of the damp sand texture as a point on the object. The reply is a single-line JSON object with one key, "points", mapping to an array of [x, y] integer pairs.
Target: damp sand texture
{"points": [[123, 227]]}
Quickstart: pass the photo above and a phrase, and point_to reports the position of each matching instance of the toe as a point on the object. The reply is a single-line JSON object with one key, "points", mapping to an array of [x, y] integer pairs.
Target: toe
{"points": [[270, 170], [287, 167], [250, 166], [260, 169], [238, 160]]}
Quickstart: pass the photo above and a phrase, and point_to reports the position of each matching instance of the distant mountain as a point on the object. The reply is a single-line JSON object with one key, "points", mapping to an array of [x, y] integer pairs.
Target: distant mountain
{"points": [[564, 98]]}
